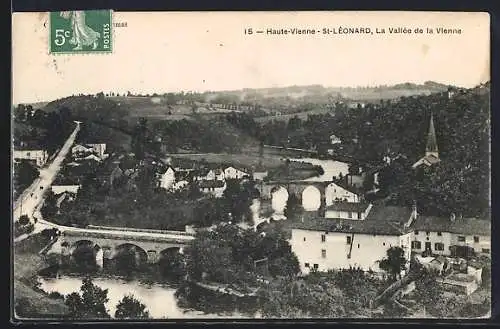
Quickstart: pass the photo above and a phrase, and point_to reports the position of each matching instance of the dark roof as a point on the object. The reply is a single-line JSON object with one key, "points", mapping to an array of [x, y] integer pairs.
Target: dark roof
{"points": [[459, 226], [348, 206], [381, 220], [210, 183]]}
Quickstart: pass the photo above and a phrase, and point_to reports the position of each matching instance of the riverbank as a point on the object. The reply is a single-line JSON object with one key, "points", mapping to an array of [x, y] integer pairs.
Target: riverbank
{"points": [[29, 301]]}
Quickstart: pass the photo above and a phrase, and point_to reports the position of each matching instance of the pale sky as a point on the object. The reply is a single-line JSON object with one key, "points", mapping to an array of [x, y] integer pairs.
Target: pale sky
{"points": [[163, 52]]}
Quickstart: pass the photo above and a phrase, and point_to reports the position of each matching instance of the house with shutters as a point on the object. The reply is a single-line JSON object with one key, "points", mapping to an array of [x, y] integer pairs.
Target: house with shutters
{"points": [[337, 243], [451, 236], [359, 235]]}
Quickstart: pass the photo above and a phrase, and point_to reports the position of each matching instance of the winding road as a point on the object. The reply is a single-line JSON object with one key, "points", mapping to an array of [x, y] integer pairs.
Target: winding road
{"points": [[31, 200]]}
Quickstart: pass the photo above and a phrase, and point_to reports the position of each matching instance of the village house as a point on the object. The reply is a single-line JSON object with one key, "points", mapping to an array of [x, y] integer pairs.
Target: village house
{"points": [[335, 140], [325, 244], [213, 187], [234, 173], [334, 192], [209, 174], [40, 157], [451, 236], [348, 210], [167, 178], [95, 151]]}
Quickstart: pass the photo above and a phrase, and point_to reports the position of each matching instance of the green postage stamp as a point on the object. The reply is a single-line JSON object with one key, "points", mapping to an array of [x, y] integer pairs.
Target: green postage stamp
{"points": [[81, 31]]}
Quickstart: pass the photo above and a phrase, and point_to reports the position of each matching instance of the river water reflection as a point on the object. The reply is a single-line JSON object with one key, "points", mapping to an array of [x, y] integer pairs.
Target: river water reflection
{"points": [[159, 299]]}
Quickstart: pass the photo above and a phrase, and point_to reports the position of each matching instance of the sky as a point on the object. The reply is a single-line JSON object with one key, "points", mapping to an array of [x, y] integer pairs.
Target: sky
{"points": [[167, 52]]}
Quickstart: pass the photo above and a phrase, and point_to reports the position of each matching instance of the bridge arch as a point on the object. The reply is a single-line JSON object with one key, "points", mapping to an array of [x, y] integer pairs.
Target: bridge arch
{"points": [[129, 256], [279, 198], [311, 198], [84, 254]]}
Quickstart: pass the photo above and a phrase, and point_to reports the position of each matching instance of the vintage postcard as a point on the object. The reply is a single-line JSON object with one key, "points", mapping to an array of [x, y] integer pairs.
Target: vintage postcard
{"points": [[251, 165]]}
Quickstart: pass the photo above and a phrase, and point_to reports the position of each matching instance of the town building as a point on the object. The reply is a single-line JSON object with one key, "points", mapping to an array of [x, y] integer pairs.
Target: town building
{"points": [[234, 173], [213, 187], [431, 149], [325, 244], [82, 151], [335, 140], [167, 178], [40, 157], [348, 210], [451, 236], [334, 192]]}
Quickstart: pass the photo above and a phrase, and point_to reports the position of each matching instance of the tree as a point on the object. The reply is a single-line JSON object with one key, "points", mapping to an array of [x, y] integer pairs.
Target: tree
{"points": [[394, 263], [89, 303], [131, 308]]}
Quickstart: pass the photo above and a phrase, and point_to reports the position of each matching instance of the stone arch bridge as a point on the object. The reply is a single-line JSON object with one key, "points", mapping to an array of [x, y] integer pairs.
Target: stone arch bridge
{"points": [[297, 188], [106, 242]]}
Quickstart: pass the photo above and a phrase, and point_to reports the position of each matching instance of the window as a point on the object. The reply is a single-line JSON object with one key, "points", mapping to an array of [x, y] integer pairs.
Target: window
{"points": [[349, 214], [358, 245], [306, 265], [416, 245], [383, 243], [427, 232], [416, 232], [359, 215], [323, 238], [304, 238], [315, 266], [348, 240], [28, 154], [323, 253], [485, 251], [439, 234], [476, 239], [461, 238], [438, 246]]}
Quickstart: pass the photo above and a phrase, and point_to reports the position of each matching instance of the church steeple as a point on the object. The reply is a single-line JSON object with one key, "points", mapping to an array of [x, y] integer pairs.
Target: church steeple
{"points": [[431, 147]]}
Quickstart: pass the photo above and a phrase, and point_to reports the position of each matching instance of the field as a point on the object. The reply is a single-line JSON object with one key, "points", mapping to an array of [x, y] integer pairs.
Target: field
{"points": [[243, 160]]}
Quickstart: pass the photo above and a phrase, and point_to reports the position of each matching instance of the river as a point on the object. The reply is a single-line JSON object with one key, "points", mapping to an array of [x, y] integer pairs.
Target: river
{"points": [[330, 167], [159, 299]]}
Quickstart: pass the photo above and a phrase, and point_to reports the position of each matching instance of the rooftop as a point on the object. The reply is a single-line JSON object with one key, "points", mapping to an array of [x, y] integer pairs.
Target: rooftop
{"points": [[382, 220], [211, 184], [348, 206], [458, 226]]}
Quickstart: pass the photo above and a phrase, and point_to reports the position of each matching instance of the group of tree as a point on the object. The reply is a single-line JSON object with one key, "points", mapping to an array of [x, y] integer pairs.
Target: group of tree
{"points": [[90, 303], [25, 174], [56, 125], [334, 294], [228, 254]]}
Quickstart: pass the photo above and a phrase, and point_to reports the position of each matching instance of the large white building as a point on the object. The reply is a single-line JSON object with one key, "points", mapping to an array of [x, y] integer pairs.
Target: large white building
{"points": [[324, 243], [363, 240], [234, 173], [440, 235], [39, 156]]}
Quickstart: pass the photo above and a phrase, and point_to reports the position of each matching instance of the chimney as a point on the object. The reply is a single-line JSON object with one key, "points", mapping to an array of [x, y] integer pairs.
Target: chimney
{"points": [[452, 217]]}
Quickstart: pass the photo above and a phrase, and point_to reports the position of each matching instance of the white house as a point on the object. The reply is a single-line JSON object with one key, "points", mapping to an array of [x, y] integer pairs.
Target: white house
{"points": [[212, 174], [167, 179], [234, 173], [440, 235], [213, 187], [335, 192], [98, 149], [326, 244], [39, 156], [335, 140], [348, 210]]}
